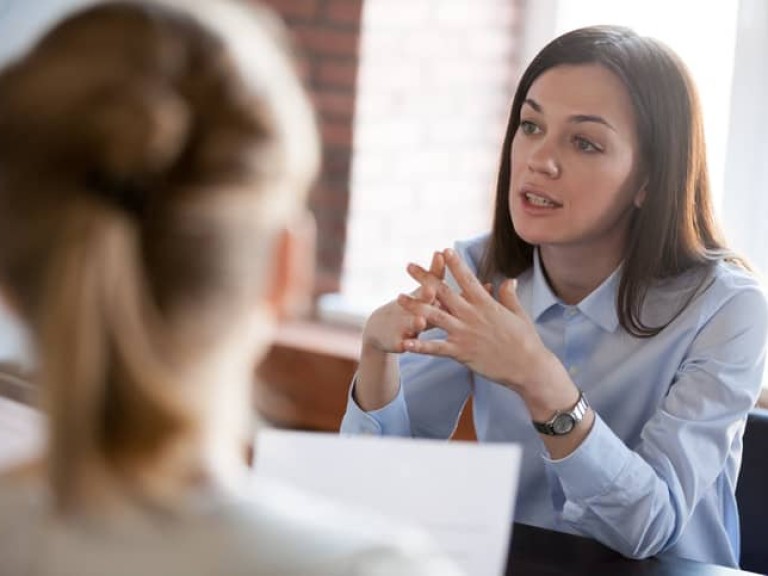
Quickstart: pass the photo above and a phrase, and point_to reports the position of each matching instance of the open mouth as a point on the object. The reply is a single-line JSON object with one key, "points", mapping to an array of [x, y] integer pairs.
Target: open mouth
{"points": [[539, 201]]}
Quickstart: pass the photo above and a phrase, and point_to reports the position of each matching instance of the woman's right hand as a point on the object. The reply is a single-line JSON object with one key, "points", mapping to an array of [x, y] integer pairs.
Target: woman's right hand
{"points": [[378, 375], [390, 325]]}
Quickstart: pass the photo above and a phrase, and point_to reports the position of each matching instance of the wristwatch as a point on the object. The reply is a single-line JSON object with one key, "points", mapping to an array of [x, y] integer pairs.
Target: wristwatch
{"points": [[564, 421]]}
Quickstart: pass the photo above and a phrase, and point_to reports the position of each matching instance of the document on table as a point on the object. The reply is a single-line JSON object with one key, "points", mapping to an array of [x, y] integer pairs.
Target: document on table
{"points": [[461, 493]]}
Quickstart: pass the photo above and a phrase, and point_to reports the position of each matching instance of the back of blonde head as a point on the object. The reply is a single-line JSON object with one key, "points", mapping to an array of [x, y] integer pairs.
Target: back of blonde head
{"points": [[148, 154]]}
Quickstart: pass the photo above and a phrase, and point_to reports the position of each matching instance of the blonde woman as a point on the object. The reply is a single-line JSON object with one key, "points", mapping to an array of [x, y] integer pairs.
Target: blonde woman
{"points": [[154, 160]]}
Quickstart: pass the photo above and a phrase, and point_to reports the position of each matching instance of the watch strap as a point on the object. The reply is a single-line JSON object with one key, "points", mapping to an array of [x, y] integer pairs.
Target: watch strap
{"points": [[574, 414]]}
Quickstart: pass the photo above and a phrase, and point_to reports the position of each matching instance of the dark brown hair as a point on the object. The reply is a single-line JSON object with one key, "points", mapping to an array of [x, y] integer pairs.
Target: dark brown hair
{"points": [[676, 229], [148, 155]]}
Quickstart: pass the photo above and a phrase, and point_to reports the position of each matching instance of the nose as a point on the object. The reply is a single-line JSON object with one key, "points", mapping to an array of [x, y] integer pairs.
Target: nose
{"points": [[543, 159]]}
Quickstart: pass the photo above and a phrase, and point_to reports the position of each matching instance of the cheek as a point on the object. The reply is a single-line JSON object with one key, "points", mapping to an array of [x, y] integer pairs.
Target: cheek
{"points": [[624, 180], [610, 181]]}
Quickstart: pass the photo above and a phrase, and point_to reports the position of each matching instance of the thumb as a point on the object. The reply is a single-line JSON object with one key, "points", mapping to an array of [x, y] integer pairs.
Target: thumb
{"points": [[508, 297]]}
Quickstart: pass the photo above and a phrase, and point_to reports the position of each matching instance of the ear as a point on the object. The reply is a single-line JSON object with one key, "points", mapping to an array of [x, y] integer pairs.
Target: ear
{"points": [[290, 286]]}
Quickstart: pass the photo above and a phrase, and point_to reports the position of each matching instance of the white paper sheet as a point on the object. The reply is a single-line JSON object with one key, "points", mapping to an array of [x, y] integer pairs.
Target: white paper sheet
{"points": [[462, 493]]}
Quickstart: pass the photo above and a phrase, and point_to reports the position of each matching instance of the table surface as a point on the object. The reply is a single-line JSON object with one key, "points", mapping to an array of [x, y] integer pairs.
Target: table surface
{"points": [[539, 552]]}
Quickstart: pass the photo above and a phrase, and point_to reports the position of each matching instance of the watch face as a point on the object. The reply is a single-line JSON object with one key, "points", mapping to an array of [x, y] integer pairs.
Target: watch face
{"points": [[563, 424]]}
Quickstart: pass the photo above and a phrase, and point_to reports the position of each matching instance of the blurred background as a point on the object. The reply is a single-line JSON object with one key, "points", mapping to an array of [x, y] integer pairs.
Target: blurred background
{"points": [[412, 98]]}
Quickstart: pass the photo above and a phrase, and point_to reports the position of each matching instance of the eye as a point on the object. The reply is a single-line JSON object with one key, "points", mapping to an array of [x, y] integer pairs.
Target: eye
{"points": [[585, 145], [529, 128]]}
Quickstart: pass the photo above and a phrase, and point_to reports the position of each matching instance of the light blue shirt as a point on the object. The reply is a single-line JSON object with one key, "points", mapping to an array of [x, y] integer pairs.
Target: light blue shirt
{"points": [[657, 472]]}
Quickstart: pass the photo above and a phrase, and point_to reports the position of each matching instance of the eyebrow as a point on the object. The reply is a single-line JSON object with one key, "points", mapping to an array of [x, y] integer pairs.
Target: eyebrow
{"points": [[577, 118]]}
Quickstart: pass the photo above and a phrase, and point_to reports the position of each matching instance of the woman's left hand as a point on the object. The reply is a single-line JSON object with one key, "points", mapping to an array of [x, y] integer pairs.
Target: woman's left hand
{"points": [[494, 338]]}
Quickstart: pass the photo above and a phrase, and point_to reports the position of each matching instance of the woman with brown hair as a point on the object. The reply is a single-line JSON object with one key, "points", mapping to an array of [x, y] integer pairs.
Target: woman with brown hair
{"points": [[603, 323], [154, 161]]}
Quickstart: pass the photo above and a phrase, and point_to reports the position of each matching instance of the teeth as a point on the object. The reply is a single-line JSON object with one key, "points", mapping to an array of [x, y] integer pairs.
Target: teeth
{"points": [[538, 200]]}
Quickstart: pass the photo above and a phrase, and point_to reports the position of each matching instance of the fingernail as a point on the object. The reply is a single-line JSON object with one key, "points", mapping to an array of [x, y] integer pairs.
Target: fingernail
{"points": [[449, 253]]}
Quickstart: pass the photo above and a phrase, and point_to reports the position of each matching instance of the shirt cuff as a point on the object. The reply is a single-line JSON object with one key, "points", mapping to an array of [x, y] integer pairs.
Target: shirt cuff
{"points": [[593, 468], [389, 420]]}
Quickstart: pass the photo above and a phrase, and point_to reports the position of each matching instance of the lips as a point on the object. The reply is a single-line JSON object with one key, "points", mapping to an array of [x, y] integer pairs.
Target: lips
{"points": [[538, 199]]}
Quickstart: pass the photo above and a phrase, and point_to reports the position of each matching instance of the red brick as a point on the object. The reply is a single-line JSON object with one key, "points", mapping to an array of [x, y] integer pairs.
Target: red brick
{"points": [[336, 164], [336, 74], [344, 12], [295, 9], [336, 134], [303, 69], [327, 42], [335, 104], [331, 199], [328, 280]]}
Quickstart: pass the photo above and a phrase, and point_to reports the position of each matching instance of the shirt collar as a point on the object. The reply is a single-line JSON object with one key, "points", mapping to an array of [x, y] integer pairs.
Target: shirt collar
{"points": [[599, 306], [543, 297]]}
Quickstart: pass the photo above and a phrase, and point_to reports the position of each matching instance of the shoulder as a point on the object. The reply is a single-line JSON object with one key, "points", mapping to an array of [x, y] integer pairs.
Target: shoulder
{"points": [[300, 534], [21, 489], [706, 293], [731, 287], [20, 504]]}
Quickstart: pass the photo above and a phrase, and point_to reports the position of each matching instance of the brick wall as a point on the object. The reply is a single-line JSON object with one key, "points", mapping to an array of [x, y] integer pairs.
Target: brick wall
{"points": [[436, 80], [327, 35], [426, 95], [427, 116]]}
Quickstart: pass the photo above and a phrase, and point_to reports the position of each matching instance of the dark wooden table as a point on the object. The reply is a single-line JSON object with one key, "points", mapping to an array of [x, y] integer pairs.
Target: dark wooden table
{"points": [[538, 552]]}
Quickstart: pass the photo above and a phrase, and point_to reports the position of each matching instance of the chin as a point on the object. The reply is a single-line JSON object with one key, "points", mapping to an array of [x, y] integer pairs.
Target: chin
{"points": [[533, 237]]}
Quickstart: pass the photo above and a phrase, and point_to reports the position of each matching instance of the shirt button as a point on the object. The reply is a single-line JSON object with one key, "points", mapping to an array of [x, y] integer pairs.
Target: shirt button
{"points": [[570, 312], [573, 370]]}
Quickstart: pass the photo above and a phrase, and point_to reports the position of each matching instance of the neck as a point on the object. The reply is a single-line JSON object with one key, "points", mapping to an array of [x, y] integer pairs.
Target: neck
{"points": [[574, 272], [227, 429], [212, 455]]}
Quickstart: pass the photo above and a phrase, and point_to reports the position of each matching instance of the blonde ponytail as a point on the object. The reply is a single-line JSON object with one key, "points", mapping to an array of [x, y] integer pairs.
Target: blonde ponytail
{"points": [[137, 211], [107, 392]]}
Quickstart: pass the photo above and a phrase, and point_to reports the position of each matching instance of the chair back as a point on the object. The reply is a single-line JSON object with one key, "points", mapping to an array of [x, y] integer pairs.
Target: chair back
{"points": [[752, 494]]}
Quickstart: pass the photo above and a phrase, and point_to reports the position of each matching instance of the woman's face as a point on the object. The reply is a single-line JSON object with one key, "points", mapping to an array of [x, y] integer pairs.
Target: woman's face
{"points": [[574, 166]]}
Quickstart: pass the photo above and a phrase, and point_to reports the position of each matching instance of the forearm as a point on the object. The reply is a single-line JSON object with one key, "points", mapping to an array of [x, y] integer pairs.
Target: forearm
{"points": [[549, 390], [617, 497], [378, 379]]}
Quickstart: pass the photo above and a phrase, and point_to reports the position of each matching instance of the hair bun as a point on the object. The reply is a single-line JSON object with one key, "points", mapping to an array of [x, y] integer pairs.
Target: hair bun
{"points": [[136, 134]]}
